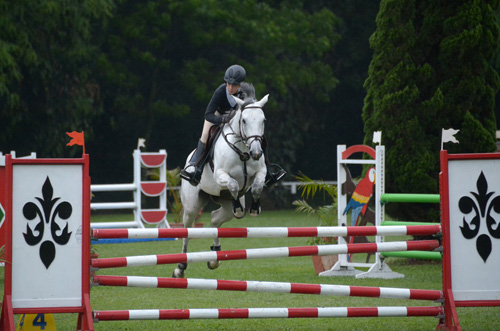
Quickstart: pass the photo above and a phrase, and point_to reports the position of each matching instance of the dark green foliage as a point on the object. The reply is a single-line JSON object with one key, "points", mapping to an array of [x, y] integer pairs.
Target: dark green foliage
{"points": [[161, 62], [430, 70], [46, 84], [123, 69]]}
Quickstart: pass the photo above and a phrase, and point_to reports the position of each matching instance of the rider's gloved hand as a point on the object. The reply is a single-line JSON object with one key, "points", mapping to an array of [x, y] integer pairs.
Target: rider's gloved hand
{"points": [[227, 117]]}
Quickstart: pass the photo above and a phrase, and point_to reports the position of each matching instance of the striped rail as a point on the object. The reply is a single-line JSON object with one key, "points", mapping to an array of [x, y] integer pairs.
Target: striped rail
{"points": [[268, 287], [268, 232], [275, 252], [248, 313]]}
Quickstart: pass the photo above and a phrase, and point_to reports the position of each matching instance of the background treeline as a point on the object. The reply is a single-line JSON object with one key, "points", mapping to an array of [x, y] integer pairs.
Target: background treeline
{"points": [[125, 69]]}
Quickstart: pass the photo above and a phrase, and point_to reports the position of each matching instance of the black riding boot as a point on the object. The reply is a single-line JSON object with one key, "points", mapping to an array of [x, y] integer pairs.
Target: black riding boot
{"points": [[271, 177], [192, 172]]}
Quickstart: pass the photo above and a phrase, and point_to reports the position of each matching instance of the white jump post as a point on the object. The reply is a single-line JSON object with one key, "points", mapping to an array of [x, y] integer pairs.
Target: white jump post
{"points": [[139, 187], [343, 267]]}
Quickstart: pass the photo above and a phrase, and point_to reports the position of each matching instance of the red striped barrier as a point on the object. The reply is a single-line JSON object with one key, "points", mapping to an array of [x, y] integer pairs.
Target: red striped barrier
{"points": [[268, 287], [275, 252], [268, 232], [244, 313]]}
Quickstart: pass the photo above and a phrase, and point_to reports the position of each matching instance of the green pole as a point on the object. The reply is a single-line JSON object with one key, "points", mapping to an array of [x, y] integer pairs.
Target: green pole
{"points": [[406, 223], [410, 197], [423, 255]]}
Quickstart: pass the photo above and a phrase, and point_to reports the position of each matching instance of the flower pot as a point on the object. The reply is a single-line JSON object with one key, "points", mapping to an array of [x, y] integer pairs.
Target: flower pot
{"points": [[324, 263]]}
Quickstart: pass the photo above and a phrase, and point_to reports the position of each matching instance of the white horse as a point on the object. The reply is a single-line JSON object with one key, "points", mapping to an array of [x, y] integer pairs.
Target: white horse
{"points": [[238, 166]]}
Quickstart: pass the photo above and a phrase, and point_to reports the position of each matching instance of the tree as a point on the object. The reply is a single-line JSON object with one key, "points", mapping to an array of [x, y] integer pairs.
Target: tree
{"points": [[46, 85], [430, 70], [162, 60]]}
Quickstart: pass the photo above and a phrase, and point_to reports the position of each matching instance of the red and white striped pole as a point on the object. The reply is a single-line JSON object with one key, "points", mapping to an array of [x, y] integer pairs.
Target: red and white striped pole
{"points": [[267, 232], [259, 253], [268, 287], [244, 313]]}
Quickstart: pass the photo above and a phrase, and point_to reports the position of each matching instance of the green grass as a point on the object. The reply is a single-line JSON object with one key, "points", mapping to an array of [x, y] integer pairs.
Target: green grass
{"points": [[424, 275]]}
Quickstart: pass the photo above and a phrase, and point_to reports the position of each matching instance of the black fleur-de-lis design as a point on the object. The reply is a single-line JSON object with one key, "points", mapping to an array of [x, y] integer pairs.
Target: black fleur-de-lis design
{"points": [[482, 207], [51, 210]]}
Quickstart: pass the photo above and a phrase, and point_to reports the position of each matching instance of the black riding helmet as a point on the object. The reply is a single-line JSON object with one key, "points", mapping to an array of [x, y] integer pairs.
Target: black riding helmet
{"points": [[235, 74]]}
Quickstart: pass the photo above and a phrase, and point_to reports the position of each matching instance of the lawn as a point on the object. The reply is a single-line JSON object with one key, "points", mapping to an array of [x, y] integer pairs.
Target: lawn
{"points": [[418, 274]]}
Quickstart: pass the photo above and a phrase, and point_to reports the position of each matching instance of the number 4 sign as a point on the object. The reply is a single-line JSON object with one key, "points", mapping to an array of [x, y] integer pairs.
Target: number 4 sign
{"points": [[36, 322]]}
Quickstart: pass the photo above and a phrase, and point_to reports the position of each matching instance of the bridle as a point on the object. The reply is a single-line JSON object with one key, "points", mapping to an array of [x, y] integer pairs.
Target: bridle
{"points": [[244, 156], [243, 135]]}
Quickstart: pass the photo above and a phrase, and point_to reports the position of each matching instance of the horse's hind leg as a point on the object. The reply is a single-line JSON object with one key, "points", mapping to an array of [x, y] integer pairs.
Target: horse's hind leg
{"points": [[181, 267], [219, 217], [192, 204], [188, 219]]}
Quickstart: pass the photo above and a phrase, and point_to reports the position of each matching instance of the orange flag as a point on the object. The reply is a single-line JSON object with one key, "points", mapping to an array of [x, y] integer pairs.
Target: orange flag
{"points": [[77, 139]]}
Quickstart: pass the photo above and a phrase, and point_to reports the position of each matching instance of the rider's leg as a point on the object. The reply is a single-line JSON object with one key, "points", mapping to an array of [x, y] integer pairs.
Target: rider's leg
{"points": [[271, 177], [192, 171]]}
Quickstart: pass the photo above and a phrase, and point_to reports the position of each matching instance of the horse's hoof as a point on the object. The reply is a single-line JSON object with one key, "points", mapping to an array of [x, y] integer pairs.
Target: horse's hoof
{"points": [[212, 265], [255, 208], [178, 273], [238, 210], [239, 213], [255, 212]]}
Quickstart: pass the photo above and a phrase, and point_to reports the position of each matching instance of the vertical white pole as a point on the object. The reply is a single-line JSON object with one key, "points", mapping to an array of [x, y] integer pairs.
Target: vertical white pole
{"points": [[341, 198], [137, 192], [163, 196], [379, 190]]}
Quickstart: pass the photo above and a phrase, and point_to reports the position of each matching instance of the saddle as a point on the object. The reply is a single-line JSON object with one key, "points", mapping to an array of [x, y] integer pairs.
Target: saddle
{"points": [[208, 154]]}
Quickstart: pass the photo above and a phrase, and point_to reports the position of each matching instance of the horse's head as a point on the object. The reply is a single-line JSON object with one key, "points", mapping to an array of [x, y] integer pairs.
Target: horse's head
{"points": [[251, 123]]}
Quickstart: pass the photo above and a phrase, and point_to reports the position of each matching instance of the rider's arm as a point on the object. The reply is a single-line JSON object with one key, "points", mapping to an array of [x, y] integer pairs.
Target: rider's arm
{"points": [[216, 104]]}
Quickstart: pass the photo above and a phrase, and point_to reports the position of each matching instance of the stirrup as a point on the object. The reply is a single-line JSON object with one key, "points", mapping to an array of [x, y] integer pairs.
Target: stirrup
{"points": [[186, 174], [192, 177], [273, 178]]}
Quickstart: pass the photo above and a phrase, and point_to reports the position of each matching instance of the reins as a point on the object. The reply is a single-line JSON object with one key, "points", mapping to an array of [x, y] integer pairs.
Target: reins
{"points": [[244, 156]]}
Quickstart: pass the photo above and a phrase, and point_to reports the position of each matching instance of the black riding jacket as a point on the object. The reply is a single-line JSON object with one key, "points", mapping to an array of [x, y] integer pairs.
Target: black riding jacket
{"points": [[220, 103]]}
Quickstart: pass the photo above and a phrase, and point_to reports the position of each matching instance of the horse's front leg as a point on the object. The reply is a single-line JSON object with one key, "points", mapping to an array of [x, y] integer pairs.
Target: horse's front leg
{"points": [[192, 202], [257, 187], [219, 216], [223, 179]]}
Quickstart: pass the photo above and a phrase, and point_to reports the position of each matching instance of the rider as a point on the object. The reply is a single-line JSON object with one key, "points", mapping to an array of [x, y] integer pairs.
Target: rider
{"points": [[219, 112]]}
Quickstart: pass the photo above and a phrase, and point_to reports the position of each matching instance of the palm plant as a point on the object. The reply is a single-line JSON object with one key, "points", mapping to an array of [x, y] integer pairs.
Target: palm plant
{"points": [[327, 214]]}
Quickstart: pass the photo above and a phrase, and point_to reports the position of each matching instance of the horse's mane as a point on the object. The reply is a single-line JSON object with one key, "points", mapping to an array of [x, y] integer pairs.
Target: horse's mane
{"points": [[248, 92]]}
